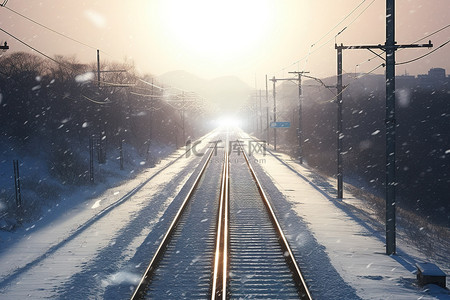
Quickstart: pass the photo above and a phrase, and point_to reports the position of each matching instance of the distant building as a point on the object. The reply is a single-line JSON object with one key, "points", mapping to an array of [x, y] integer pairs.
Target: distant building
{"points": [[437, 73], [435, 79]]}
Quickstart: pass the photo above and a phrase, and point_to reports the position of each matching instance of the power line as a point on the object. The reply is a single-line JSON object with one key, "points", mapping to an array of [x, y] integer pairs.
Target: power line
{"points": [[31, 47], [422, 56], [357, 17], [423, 38], [43, 54], [68, 67], [431, 34], [147, 95], [151, 84], [52, 30], [351, 83], [323, 44], [52, 59], [48, 28], [345, 18]]}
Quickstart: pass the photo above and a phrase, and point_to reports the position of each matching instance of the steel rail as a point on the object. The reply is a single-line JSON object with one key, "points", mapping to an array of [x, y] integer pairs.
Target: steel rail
{"points": [[226, 229], [140, 290], [219, 278], [290, 259]]}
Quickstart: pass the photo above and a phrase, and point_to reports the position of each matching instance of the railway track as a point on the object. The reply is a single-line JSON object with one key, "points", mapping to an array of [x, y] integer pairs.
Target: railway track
{"points": [[225, 241]]}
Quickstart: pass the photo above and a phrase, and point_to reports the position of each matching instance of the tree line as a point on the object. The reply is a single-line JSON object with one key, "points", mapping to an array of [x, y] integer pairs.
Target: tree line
{"points": [[59, 105], [422, 142]]}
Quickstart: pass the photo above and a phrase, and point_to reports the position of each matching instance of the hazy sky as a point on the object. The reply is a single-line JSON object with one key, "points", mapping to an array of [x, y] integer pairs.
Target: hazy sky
{"points": [[246, 38]]}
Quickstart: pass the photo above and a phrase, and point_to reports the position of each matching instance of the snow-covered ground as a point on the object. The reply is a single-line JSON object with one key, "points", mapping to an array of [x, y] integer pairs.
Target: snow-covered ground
{"points": [[339, 228], [77, 250], [94, 249]]}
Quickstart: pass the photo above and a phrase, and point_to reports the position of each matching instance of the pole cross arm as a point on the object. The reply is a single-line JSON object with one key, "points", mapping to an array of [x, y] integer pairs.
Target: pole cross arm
{"points": [[383, 47], [342, 47], [4, 47], [113, 71], [429, 45], [281, 79]]}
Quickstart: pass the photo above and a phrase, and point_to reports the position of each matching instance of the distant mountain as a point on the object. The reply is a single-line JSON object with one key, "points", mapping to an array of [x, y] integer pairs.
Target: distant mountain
{"points": [[183, 80], [227, 92]]}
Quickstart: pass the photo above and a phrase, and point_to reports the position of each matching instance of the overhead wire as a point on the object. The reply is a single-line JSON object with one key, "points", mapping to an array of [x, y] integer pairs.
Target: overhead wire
{"points": [[421, 39], [48, 28], [354, 79], [379, 66], [316, 49], [68, 67], [151, 84], [113, 84], [422, 56], [31, 47], [52, 59], [74, 40], [326, 42], [345, 18], [65, 65], [147, 95], [431, 34]]}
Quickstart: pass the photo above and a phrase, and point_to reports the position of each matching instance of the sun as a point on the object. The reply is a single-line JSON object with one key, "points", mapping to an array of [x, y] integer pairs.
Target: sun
{"points": [[215, 28]]}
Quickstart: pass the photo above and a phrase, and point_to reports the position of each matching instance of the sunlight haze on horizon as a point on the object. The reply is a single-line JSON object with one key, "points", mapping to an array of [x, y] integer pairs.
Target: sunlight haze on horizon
{"points": [[247, 39]]}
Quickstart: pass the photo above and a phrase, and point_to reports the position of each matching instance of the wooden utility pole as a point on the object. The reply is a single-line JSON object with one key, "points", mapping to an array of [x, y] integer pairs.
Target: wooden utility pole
{"points": [[260, 114], [389, 48], [17, 184], [300, 109], [267, 112], [340, 135], [98, 68], [299, 131], [91, 159], [391, 180], [274, 114], [150, 123], [108, 71]]}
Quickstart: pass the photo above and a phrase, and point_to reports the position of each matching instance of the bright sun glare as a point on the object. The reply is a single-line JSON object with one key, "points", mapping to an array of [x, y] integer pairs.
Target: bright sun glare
{"points": [[217, 28], [228, 122]]}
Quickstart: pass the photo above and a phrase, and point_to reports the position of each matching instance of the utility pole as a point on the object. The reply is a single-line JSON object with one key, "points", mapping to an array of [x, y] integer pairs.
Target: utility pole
{"points": [[91, 159], [340, 135], [254, 107], [98, 68], [260, 114], [150, 131], [107, 71], [267, 112], [300, 128], [274, 115], [182, 118], [152, 103], [255, 111], [17, 184], [299, 131], [181, 104], [391, 180], [389, 48]]}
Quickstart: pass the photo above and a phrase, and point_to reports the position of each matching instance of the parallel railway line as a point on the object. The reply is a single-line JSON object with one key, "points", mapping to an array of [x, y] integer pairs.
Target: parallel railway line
{"points": [[225, 241]]}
